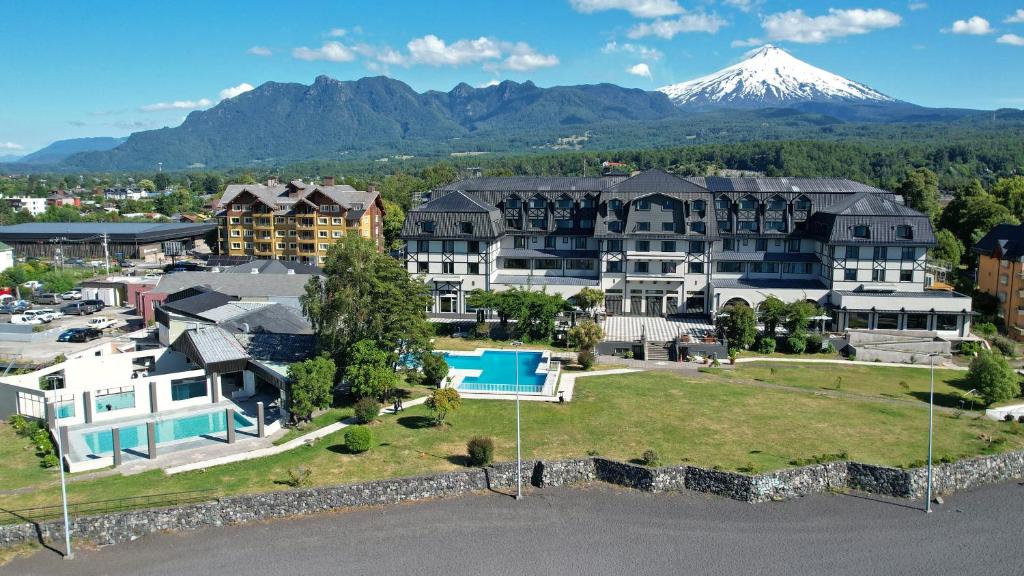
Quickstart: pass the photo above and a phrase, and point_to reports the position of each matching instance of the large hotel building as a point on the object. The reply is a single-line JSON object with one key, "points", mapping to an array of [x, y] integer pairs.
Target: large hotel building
{"points": [[658, 244], [296, 221]]}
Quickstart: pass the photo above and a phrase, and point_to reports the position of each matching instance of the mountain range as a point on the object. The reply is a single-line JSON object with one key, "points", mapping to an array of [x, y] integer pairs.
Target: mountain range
{"points": [[277, 123]]}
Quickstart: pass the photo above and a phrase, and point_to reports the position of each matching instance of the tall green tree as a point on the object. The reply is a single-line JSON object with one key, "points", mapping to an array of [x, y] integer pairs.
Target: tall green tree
{"points": [[993, 377], [311, 384], [161, 180], [364, 294], [949, 249], [394, 218], [798, 316], [772, 313], [589, 298], [585, 335], [920, 188], [369, 373], [1010, 191], [739, 324], [973, 212]]}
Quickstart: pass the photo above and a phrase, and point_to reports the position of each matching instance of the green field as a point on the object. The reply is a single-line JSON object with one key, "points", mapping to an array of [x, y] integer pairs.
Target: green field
{"points": [[706, 421]]}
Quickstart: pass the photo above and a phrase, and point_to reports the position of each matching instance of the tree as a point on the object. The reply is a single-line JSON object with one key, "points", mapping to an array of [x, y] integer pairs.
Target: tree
{"points": [[973, 212], [739, 325], [537, 318], [364, 294], [368, 372], [443, 402], [993, 377], [585, 335], [920, 189], [589, 298], [772, 312], [161, 181], [798, 316], [1010, 191], [435, 369], [147, 185], [950, 248], [311, 381], [394, 218], [212, 184]]}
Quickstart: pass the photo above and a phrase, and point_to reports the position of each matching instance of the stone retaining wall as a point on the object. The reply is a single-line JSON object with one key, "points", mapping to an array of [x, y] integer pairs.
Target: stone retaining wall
{"points": [[778, 485]]}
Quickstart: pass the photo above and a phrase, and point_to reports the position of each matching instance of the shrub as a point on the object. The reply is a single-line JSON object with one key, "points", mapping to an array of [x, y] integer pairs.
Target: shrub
{"points": [[830, 348], [298, 477], [766, 344], [366, 410], [480, 450], [993, 377], [650, 458], [434, 369], [585, 359], [358, 439], [970, 348], [814, 342], [443, 402], [481, 330], [739, 325], [986, 329], [1005, 346], [796, 344], [1020, 419], [50, 461], [715, 363], [1008, 418], [19, 423]]}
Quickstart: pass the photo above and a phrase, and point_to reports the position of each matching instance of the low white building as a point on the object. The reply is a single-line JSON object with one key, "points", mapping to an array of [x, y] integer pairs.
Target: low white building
{"points": [[6, 257], [34, 206]]}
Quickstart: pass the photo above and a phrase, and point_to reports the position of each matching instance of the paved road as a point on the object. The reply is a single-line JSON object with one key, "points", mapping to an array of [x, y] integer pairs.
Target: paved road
{"points": [[594, 531]]}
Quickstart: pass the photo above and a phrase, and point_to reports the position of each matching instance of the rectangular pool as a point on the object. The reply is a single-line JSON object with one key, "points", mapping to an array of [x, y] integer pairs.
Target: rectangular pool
{"points": [[101, 443], [498, 371]]}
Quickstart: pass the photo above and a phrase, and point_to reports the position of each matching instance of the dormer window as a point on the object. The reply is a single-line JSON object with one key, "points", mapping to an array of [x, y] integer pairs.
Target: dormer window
{"points": [[668, 205], [614, 204], [537, 202], [427, 227], [904, 232], [802, 203], [513, 202], [643, 204], [466, 227], [564, 203], [723, 203], [698, 206], [776, 203], [748, 203], [587, 202], [861, 232]]}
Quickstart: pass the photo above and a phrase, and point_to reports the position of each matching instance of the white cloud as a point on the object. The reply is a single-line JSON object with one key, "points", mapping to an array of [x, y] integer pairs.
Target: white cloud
{"points": [[11, 146], [1015, 18], [689, 22], [178, 105], [434, 51], [233, 91], [644, 52], [637, 8], [522, 57], [337, 32], [330, 51], [641, 69], [795, 26], [1011, 39], [915, 6], [259, 51], [489, 83], [746, 43], [975, 26], [744, 5]]}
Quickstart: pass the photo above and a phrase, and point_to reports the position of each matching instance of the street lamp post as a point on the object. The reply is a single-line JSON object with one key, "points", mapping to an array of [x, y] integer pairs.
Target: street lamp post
{"points": [[68, 552], [519, 449], [931, 429]]}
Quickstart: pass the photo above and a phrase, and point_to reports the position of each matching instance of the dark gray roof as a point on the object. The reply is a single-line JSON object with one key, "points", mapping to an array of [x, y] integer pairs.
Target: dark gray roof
{"points": [[783, 184], [116, 231], [448, 213], [1005, 241], [196, 305], [457, 201], [275, 319], [733, 256], [278, 348], [544, 280], [241, 285], [532, 183], [656, 181], [213, 348], [767, 283], [273, 267], [879, 212]]}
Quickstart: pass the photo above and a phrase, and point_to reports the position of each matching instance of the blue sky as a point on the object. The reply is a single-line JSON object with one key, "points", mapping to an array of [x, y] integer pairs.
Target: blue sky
{"points": [[100, 68]]}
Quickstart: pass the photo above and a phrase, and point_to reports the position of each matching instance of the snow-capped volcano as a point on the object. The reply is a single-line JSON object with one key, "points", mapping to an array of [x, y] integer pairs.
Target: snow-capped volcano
{"points": [[770, 76]]}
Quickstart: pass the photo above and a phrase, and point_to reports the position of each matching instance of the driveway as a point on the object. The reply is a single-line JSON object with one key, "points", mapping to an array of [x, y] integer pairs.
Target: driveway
{"points": [[594, 531]]}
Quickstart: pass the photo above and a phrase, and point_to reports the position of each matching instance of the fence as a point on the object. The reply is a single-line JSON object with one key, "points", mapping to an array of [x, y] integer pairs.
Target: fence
{"points": [[78, 509]]}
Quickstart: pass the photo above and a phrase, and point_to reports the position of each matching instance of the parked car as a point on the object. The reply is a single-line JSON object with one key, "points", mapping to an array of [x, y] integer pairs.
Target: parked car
{"points": [[47, 298], [101, 323], [98, 304], [30, 317], [152, 276], [78, 308], [13, 308], [79, 335], [49, 314], [33, 284], [75, 294], [75, 262]]}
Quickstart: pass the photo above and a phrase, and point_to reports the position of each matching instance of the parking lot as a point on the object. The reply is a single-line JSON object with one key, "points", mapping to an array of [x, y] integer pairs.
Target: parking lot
{"points": [[47, 347]]}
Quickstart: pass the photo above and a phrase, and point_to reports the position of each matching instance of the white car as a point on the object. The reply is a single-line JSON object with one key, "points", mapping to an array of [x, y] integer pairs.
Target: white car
{"points": [[72, 295], [33, 284], [49, 314], [152, 276], [29, 317], [101, 323]]}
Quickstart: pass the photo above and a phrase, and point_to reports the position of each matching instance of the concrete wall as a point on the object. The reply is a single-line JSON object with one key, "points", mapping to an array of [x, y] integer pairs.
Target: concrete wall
{"points": [[905, 347]]}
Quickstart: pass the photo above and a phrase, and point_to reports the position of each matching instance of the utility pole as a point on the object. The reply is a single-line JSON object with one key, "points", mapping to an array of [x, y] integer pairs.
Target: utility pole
{"points": [[106, 253]]}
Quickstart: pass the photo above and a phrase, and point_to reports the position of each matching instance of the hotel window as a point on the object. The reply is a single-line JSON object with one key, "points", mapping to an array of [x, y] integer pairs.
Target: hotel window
{"points": [[643, 246], [613, 245], [586, 224], [695, 247], [698, 227], [668, 267], [861, 232], [793, 246], [724, 226], [905, 232], [550, 242], [280, 245], [668, 227], [519, 242], [723, 203], [640, 267], [238, 207], [776, 203], [324, 246], [427, 227], [322, 221], [850, 274], [547, 264], [517, 264], [764, 267], [537, 203], [668, 205], [879, 253], [236, 245], [775, 225], [747, 225], [730, 267], [858, 319], [917, 321], [235, 219], [878, 275], [760, 245], [643, 204], [279, 233], [696, 267], [668, 246], [513, 203], [563, 203], [579, 264], [614, 204], [447, 267], [698, 206], [579, 242], [423, 267], [853, 252], [292, 245], [643, 226], [587, 202], [336, 234], [322, 233], [448, 246], [247, 233], [279, 220], [247, 220], [887, 321], [615, 266], [465, 227], [248, 245], [336, 221], [539, 223], [945, 322], [906, 275], [1004, 279], [236, 233], [615, 226], [802, 203], [473, 268], [563, 223], [423, 245], [728, 244], [748, 203], [908, 253], [797, 268], [473, 246]]}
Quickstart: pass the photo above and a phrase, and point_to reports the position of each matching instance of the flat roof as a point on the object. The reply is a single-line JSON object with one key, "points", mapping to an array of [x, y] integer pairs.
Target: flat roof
{"points": [[116, 231]]}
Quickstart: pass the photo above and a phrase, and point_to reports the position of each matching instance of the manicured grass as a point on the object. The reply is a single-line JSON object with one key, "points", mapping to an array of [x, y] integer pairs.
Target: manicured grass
{"points": [[19, 465], [707, 421], [819, 355], [883, 381], [466, 344]]}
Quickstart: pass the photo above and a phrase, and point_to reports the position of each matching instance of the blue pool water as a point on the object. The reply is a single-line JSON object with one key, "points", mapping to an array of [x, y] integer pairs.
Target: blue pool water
{"points": [[499, 371], [66, 410], [166, 431], [118, 401]]}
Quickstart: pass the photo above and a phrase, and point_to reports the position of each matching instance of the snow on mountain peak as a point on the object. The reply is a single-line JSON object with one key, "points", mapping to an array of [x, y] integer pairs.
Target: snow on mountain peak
{"points": [[770, 76]]}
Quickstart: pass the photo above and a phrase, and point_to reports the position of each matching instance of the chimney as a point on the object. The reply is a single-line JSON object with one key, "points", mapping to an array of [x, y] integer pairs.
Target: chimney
{"points": [[328, 181], [272, 181], [371, 187]]}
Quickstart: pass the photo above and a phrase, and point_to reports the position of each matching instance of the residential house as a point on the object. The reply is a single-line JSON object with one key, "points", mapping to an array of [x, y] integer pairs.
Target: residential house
{"points": [[1001, 273]]}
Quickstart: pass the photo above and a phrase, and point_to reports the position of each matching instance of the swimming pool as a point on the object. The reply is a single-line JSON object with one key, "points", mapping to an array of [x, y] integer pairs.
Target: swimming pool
{"points": [[100, 442], [498, 371]]}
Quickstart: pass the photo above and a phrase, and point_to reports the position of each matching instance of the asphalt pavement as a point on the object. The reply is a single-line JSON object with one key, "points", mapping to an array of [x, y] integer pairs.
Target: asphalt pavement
{"points": [[593, 531]]}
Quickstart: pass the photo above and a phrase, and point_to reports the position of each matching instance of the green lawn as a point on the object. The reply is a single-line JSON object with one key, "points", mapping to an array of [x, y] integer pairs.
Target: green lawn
{"points": [[20, 465], [882, 381], [467, 344], [706, 421]]}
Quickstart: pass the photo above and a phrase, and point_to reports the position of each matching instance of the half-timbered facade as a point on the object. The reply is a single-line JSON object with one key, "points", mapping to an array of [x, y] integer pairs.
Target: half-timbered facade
{"points": [[660, 244]]}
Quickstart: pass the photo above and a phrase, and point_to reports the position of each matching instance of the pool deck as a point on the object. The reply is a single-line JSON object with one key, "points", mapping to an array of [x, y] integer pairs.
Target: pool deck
{"points": [[456, 376]]}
